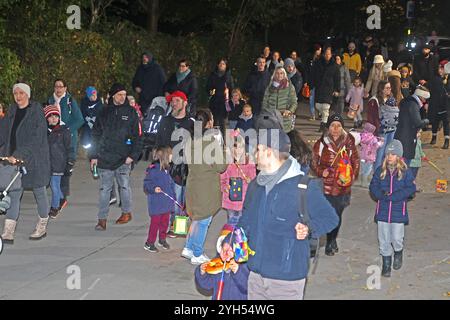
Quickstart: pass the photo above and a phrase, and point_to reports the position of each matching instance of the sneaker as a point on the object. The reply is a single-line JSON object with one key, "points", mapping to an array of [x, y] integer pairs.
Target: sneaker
{"points": [[150, 247], [54, 213], [187, 253], [312, 118], [112, 201], [62, 204], [200, 260], [172, 235], [164, 244]]}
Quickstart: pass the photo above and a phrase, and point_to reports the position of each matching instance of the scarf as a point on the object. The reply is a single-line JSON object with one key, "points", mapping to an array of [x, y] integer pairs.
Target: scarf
{"points": [[245, 118], [58, 101], [220, 73], [182, 75], [283, 84], [291, 74], [269, 180]]}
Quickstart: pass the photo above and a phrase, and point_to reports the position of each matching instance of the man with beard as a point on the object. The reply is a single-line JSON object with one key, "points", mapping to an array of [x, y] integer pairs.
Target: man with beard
{"points": [[148, 81], [352, 60], [179, 124], [117, 144]]}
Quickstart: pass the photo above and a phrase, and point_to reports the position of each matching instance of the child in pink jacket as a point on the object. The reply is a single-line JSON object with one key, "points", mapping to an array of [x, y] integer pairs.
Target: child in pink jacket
{"points": [[235, 180], [369, 146], [355, 98]]}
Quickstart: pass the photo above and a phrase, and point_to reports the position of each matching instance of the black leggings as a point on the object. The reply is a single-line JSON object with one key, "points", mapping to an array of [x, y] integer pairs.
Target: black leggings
{"points": [[339, 203], [437, 119]]}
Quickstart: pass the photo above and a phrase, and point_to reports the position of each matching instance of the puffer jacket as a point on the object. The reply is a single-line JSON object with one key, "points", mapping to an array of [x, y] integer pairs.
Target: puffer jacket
{"points": [[61, 151], [392, 195], [369, 146], [281, 99], [324, 153]]}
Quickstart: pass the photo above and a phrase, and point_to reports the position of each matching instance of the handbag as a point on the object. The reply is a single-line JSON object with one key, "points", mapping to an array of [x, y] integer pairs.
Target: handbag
{"points": [[352, 110], [306, 91]]}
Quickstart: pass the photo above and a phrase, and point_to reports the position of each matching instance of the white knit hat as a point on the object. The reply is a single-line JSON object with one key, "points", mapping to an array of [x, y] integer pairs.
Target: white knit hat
{"points": [[378, 59], [423, 92], [24, 87], [447, 68], [387, 67]]}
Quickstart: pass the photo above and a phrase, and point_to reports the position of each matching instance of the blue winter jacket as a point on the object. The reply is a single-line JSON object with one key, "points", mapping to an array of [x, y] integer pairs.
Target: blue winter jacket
{"points": [[245, 125], [392, 196], [158, 203], [234, 284], [269, 222]]}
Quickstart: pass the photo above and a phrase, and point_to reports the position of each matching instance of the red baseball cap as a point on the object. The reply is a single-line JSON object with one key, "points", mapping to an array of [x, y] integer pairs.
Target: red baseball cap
{"points": [[178, 94]]}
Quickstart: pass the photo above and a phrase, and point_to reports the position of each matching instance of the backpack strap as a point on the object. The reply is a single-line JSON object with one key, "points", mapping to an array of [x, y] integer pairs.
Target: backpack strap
{"points": [[303, 208]]}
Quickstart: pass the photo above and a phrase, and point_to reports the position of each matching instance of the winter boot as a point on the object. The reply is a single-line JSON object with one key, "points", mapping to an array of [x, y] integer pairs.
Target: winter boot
{"points": [[445, 146], [329, 249], [8, 231], [365, 181], [433, 139], [386, 271], [41, 229], [334, 246], [398, 260]]}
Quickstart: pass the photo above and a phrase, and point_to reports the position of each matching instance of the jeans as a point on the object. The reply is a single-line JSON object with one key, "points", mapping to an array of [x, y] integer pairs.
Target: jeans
{"points": [[180, 193], [260, 288], [324, 109], [366, 168], [388, 137], [358, 116], [40, 195], [311, 102], [233, 217], [390, 235], [57, 195], [122, 175], [197, 236], [158, 223]]}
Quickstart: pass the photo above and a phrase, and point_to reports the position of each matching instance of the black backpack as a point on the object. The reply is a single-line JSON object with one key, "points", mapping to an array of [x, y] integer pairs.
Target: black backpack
{"points": [[152, 121], [314, 243]]}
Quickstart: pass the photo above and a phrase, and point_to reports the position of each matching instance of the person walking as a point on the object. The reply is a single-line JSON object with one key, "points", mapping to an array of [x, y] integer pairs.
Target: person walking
{"points": [[117, 137], [23, 137], [336, 161], [440, 104]]}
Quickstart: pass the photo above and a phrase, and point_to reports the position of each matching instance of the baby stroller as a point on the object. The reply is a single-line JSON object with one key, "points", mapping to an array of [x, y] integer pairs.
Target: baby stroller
{"points": [[156, 112], [9, 181]]}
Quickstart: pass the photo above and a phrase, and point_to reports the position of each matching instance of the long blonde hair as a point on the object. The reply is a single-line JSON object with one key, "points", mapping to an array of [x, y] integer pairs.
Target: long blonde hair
{"points": [[401, 167]]}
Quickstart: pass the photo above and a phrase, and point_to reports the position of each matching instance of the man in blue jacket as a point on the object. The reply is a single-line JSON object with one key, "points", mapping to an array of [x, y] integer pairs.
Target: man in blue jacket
{"points": [[271, 220]]}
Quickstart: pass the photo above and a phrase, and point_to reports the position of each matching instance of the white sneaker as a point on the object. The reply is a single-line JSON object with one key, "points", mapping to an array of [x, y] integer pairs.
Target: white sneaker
{"points": [[187, 253], [200, 260]]}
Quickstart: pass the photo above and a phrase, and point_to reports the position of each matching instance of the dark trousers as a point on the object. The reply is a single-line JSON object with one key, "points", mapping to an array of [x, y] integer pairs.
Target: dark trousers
{"points": [[339, 203], [437, 119], [414, 171], [158, 223], [65, 185], [219, 121]]}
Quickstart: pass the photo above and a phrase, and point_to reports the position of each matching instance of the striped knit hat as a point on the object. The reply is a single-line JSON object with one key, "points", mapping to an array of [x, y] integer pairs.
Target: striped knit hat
{"points": [[51, 110]]}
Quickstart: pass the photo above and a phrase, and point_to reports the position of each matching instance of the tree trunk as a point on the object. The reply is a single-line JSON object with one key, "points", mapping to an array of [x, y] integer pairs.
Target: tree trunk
{"points": [[152, 15]]}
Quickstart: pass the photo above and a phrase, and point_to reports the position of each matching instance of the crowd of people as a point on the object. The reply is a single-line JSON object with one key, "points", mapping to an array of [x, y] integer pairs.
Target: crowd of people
{"points": [[279, 192]]}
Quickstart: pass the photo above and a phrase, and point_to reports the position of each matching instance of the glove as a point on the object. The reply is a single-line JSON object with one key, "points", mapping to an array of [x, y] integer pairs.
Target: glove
{"points": [[426, 122], [69, 169], [5, 203]]}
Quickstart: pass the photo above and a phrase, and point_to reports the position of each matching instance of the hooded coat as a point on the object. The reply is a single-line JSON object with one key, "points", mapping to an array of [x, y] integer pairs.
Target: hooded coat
{"points": [[150, 78]]}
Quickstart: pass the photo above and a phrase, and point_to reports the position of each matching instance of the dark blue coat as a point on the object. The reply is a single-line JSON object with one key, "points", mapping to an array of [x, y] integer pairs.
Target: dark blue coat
{"points": [[269, 222], [392, 208], [158, 203], [245, 125], [234, 286]]}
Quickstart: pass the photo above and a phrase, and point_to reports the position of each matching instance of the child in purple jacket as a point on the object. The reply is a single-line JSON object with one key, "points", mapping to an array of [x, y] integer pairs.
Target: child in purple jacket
{"points": [[369, 146], [355, 98], [159, 188]]}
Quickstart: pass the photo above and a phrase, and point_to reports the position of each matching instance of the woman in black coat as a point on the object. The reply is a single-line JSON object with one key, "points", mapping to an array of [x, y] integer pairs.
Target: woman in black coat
{"points": [[219, 87], [438, 111], [24, 137], [184, 80]]}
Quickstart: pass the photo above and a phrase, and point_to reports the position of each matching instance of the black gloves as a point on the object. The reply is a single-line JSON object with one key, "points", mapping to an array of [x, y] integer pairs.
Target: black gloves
{"points": [[69, 168]]}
